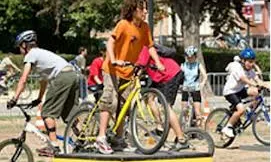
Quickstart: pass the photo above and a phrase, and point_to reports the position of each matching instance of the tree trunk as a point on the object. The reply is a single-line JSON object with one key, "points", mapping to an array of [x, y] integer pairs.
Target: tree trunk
{"points": [[189, 13], [174, 32]]}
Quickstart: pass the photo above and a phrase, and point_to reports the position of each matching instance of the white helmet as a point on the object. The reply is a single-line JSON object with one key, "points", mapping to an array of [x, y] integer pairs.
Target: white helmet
{"points": [[26, 36], [190, 51]]}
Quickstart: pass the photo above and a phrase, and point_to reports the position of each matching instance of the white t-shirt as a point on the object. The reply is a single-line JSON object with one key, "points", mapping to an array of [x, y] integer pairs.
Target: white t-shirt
{"points": [[234, 84], [231, 66], [47, 63]]}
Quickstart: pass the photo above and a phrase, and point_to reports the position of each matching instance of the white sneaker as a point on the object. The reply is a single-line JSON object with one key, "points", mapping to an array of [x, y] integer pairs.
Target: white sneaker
{"points": [[102, 145], [228, 131]]}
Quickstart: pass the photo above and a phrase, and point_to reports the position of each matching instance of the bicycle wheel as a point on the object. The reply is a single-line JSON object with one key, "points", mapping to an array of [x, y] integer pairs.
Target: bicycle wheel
{"points": [[149, 115], [199, 141], [261, 126], [25, 94], [10, 150], [81, 131], [215, 122]]}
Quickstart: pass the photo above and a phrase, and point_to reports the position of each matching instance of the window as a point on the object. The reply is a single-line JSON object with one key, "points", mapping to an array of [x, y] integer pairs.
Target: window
{"points": [[258, 16]]}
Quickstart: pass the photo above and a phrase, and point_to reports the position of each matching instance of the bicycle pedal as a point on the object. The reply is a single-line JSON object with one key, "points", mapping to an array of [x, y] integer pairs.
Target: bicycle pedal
{"points": [[46, 154]]}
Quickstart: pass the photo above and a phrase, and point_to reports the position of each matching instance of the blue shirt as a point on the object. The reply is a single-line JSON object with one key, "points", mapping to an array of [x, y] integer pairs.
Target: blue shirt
{"points": [[191, 75]]}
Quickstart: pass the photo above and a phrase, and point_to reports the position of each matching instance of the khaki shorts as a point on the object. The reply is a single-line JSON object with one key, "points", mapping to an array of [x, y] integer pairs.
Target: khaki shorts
{"points": [[62, 97], [110, 99]]}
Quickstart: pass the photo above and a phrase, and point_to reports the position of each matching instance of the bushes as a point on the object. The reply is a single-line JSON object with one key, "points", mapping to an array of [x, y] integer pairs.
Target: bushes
{"points": [[215, 59]]}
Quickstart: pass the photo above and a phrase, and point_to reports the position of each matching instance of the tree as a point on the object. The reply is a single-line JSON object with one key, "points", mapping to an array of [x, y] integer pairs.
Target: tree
{"points": [[15, 16], [224, 15]]}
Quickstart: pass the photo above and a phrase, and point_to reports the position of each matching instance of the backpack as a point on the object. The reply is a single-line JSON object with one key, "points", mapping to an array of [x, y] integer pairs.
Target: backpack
{"points": [[164, 51]]}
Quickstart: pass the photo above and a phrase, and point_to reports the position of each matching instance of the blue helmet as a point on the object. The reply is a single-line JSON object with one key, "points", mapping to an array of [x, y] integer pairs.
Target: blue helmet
{"points": [[247, 53]]}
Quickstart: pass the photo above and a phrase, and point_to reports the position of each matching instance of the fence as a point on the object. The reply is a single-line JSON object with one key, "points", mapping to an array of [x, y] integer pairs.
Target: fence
{"points": [[218, 80]]}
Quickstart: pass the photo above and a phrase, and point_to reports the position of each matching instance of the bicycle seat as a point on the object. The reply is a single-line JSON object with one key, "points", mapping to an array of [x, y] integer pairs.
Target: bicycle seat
{"points": [[95, 88]]}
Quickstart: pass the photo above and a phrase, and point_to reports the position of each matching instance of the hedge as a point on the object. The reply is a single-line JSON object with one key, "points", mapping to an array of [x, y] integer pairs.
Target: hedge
{"points": [[215, 59]]}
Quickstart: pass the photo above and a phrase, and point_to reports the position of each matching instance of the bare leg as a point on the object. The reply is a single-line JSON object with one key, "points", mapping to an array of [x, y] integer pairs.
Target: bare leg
{"points": [[174, 123], [104, 118]]}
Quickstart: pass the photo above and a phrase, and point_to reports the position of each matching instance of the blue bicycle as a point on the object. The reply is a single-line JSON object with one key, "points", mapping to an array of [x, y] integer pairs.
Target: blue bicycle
{"points": [[258, 117]]}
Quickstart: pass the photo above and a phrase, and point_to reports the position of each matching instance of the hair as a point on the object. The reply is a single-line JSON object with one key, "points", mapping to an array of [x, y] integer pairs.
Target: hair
{"points": [[81, 49], [129, 7], [30, 45]]}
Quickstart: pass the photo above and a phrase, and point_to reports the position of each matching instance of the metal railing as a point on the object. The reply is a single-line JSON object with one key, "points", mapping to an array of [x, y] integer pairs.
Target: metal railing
{"points": [[217, 81]]}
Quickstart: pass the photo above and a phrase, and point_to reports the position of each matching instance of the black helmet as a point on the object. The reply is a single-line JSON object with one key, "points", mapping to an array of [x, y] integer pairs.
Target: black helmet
{"points": [[26, 36]]}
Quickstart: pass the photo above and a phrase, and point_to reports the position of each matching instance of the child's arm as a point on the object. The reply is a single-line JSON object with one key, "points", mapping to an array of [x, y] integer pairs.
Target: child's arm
{"points": [[204, 75], [155, 57]]}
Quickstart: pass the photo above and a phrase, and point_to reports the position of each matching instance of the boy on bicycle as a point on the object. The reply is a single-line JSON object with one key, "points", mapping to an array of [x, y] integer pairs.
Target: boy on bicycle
{"points": [[125, 43], [63, 91], [168, 82], [7, 68], [192, 71], [235, 88]]}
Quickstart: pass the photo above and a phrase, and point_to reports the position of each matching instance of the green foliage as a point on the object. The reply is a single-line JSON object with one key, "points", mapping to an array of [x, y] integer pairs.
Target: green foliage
{"points": [[216, 60], [89, 16]]}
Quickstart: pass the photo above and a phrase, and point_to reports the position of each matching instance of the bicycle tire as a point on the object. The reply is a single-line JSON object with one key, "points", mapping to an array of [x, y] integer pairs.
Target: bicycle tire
{"points": [[29, 156], [26, 93], [216, 134], [192, 133], [161, 101], [256, 133], [71, 142]]}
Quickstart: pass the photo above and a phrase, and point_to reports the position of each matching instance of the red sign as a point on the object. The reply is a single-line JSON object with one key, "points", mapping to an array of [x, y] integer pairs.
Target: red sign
{"points": [[248, 10]]}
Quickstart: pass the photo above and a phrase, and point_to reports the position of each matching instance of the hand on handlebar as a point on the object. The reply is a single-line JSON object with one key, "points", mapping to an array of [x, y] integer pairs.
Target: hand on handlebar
{"points": [[118, 63], [11, 103], [35, 103]]}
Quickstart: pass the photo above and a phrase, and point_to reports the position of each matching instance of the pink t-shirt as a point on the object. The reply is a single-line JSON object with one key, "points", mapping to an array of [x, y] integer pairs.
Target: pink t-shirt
{"points": [[171, 67], [95, 69]]}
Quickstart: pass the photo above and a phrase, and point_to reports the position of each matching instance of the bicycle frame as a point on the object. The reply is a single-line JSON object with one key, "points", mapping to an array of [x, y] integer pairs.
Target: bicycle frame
{"points": [[135, 94], [260, 107]]}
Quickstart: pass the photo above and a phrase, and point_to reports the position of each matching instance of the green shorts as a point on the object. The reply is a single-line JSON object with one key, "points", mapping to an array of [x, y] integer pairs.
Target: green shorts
{"points": [[62, 96]]}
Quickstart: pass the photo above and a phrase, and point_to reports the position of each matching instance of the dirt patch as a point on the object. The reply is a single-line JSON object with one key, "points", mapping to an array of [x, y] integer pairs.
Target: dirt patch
{"points": [[245, 148]]}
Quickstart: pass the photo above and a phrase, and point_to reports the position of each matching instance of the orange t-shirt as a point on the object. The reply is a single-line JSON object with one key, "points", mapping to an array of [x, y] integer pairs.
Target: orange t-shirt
{"points": [[129, 41]]}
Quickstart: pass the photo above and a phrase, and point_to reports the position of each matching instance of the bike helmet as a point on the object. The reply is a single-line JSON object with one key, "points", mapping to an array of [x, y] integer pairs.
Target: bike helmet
{"points": [[247, 53], [26, 36], [190, 51]]}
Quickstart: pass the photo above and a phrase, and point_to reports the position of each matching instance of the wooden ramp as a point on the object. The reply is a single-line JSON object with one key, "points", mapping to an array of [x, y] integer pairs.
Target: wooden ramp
{"points": [[161, 156]]}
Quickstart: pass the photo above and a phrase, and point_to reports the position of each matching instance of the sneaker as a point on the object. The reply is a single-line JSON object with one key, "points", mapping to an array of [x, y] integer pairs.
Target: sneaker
{"points": [[228, 131], [180, 144], [118, 144], [48, 151], [155, 132], [102, 145]]}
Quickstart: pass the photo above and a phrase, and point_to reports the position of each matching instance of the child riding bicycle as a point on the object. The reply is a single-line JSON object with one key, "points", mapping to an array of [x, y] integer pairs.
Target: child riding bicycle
{"points": [[62, 94], [168, 82], [192, 71], [235, 88], [125, 43]]}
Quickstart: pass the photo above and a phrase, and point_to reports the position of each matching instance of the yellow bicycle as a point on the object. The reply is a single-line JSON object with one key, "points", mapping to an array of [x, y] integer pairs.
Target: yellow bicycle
{"points": [[147, 109]]}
